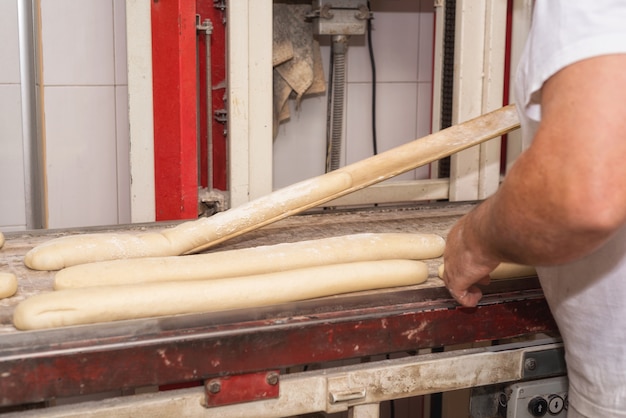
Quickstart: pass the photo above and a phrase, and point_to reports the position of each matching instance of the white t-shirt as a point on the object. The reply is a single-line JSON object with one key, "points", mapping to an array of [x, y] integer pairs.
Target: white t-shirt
{"points": [[587, 297]]}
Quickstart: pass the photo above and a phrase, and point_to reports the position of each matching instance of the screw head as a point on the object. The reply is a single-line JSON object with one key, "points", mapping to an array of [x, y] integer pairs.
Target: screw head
{"points": [[272, 378], [214, 386], [530, 364]]}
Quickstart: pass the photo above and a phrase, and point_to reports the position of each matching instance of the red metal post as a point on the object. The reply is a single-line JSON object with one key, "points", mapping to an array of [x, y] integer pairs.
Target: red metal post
{"points": [[174, 93]]}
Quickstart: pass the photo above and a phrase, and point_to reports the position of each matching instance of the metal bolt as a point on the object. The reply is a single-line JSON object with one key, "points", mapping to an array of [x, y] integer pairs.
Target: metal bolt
{"points": [[272, 378], [530, 364], [214, 386]]}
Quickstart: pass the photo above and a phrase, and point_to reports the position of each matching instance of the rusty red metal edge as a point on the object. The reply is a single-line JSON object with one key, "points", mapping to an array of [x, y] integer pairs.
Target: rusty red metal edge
{"points": [[400, 323]]}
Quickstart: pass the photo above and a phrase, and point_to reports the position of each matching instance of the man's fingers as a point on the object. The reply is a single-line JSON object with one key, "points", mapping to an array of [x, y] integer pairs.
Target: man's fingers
{"points": [[465, 296], [468, 298], [484, 281]]}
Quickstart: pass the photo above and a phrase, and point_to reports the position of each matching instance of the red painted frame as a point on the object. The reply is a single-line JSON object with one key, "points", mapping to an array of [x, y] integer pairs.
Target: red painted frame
{"points": [[174, 95]]}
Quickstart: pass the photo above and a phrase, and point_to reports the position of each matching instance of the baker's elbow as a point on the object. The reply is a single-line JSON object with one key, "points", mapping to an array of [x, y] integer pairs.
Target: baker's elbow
{"points": [[596, 218]]}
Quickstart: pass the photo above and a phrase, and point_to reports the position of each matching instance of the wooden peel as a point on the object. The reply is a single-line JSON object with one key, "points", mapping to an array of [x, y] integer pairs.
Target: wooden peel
{"points": [[380, 167], [197, 235]]}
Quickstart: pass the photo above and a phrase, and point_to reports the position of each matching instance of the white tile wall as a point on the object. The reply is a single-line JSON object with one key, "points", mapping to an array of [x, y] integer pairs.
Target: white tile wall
{"points": [[402, 39], [78, 42], [81, 155], [122, 127], [123, 154], [425, 44], [86, 107], [9, 43], [119, 33], [395, 39], [85, 120], [12, 198], [86, 125], [300, 148]]}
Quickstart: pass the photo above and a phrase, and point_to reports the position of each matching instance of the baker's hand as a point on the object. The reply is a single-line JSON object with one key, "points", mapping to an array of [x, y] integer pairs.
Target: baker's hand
{"points": [[465, 265]]}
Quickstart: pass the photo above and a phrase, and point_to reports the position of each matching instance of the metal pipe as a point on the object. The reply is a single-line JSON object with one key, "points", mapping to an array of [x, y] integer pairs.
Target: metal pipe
{"points": [[34, 189]]}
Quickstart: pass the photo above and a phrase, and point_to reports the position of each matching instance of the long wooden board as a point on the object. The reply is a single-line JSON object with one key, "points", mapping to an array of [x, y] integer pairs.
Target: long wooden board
{"points": [[318, 190]]}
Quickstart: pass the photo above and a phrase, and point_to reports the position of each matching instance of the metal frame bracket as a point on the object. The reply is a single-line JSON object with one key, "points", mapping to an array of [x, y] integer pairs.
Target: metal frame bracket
{"points": [[546, 363], [248, 387]]}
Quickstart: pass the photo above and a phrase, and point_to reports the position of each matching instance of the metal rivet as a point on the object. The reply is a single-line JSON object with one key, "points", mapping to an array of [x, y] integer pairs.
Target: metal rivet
{"points": [[530, 364], [272, 378], [214, 386]]}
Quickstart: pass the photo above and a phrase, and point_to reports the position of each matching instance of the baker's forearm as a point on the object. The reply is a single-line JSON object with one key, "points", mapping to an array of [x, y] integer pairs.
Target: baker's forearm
{"points": [[565, 196], [532, 221]]}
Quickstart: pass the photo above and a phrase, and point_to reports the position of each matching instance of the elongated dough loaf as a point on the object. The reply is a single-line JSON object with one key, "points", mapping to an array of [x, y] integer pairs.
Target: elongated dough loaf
{"points": [[506, 271], [257, 260], [8, 285], [188, 237], [112, 303]]}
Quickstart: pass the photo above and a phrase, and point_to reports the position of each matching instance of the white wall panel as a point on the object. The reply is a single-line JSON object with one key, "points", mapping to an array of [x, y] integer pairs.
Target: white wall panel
{"points": [[85, 106], [122, 125], [81, 156], [425, 45], [423, 122], [300, 148], [12, 194], [395, 37], [12, 199], [141, 120], [249, 62], [119, 42], [9, 43], [396, 122], [478, 88], [123, 155], [77, 38], [358, 142]]}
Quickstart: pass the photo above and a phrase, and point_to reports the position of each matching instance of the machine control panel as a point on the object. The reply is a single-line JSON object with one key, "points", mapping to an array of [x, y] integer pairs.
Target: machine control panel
{"points": [[538, 398]]}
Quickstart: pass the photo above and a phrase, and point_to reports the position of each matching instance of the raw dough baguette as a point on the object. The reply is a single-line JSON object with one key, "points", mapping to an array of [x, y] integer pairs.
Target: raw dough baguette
{"points": [[8, 285], [113, 303], [257, 260], [506, 271], [187, 237]]}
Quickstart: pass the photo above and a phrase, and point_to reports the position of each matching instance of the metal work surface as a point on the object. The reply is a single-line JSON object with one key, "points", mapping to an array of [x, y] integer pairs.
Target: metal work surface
{"points": [[36, 366]]}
